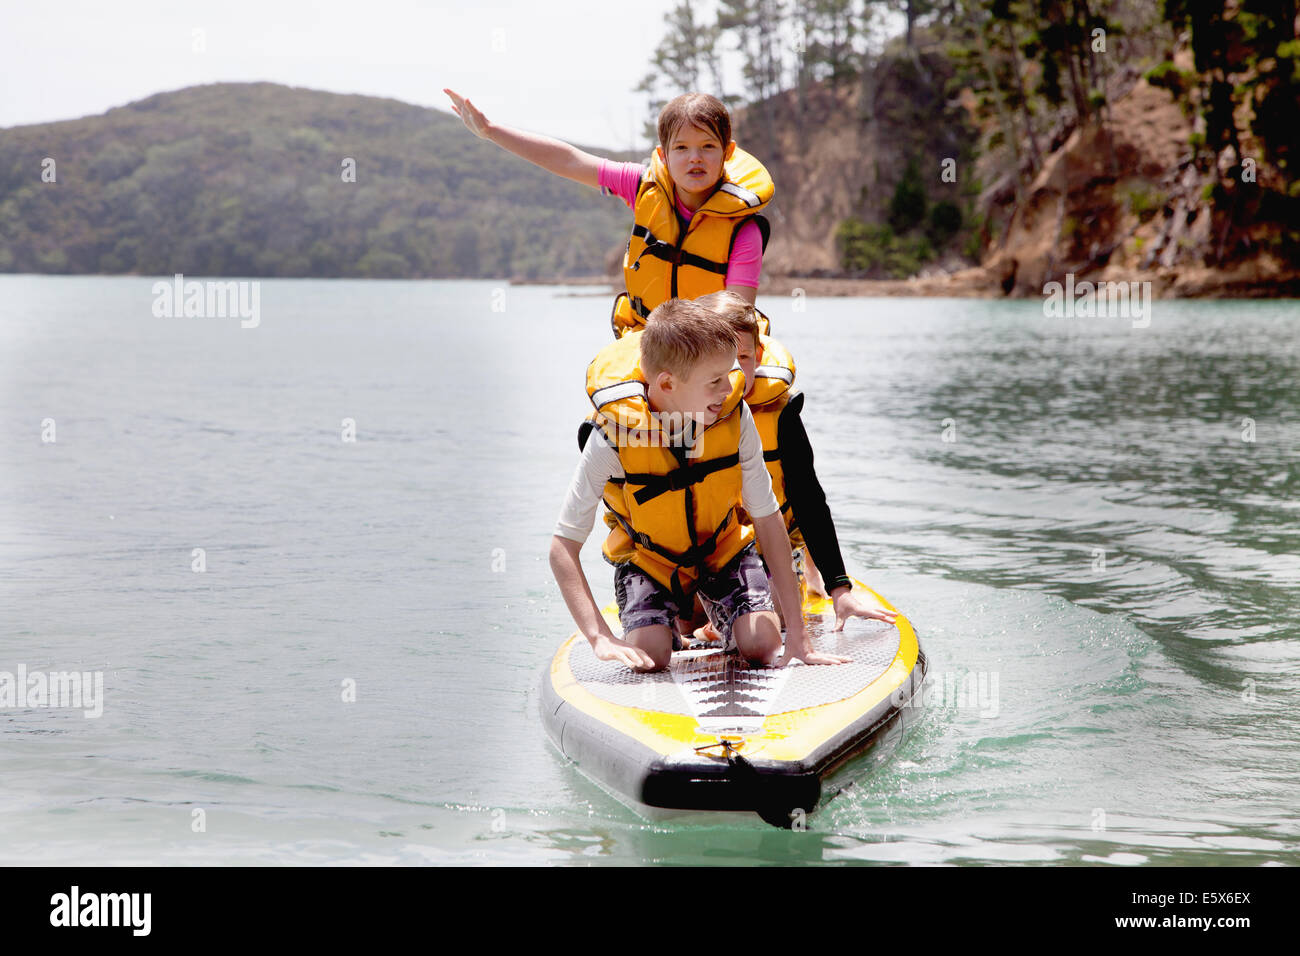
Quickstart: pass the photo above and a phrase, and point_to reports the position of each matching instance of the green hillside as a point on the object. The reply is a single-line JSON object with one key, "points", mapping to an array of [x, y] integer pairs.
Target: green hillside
{"points": [[247, 179]]}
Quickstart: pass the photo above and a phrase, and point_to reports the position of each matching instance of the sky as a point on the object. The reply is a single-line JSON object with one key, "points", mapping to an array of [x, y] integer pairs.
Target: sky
{"points": [[565, 68]]}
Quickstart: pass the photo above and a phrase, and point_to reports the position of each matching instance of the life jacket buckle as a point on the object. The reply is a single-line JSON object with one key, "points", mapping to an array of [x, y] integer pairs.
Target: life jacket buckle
{"points": [[679, 479]]}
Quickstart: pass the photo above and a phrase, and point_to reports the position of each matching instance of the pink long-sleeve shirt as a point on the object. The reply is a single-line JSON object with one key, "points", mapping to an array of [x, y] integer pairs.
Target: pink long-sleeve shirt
{"points": [[746, 262]]}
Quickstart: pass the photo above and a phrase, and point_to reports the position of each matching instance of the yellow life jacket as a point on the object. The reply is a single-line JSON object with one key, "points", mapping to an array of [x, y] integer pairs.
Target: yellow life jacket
{"points": [[674, 512], [772, 391], [662, 262]]}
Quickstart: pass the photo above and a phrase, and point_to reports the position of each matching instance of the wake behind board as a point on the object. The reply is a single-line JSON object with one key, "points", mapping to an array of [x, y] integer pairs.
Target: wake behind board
{"points": [[714, 733]]}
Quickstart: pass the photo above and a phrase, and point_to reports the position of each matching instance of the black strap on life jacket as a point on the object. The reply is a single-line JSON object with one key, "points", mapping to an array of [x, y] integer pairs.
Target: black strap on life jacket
{"points": [[679, 479], [690, 558], [672, 253]]}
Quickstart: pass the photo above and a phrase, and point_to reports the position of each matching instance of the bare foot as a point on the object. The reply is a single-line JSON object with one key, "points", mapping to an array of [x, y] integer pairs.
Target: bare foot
{"points": [[707, 633]]}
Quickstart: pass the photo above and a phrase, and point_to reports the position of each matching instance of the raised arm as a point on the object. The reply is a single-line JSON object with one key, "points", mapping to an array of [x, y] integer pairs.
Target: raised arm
{"points": [[550, 154]]}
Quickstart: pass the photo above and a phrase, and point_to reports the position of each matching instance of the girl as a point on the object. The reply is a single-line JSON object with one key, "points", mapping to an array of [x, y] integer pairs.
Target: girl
{"points": [[696, 206]]}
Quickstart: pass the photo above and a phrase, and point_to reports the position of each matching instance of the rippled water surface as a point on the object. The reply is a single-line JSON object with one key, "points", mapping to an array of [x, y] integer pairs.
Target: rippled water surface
{"points": [[1103, 519]]}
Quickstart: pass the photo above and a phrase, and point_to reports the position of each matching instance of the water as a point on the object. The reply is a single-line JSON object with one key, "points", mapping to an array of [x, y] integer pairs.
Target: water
{"points": [[1099, 536]]}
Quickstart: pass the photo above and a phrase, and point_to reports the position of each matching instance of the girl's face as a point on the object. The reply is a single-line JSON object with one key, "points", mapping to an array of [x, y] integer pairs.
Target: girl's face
{"points": [[694, 161]]}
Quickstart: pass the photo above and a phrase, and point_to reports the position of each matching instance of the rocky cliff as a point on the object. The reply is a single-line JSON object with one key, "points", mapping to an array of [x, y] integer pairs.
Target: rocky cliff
{"points": [[1119, 200]]}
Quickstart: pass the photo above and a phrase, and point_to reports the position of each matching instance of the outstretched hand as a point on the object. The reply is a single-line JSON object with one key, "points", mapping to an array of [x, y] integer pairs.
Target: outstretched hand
{"points": [[467, 111], [849, 604]]}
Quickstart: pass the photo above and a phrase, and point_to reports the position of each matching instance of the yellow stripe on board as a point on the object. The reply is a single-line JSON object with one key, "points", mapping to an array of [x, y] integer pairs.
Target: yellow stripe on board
{"points": [[792, 735], [662, 733]]}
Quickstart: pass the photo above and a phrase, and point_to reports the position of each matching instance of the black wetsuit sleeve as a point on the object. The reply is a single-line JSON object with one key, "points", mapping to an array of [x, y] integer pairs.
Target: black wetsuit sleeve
{"points": [[807, 500]]}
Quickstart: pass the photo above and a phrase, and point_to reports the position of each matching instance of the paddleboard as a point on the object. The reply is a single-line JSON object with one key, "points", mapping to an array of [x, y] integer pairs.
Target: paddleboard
{"points": [[712, 732]]}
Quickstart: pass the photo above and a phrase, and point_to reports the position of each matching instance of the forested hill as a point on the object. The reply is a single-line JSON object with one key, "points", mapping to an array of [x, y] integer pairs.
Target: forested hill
{"points": [[254, 179]]}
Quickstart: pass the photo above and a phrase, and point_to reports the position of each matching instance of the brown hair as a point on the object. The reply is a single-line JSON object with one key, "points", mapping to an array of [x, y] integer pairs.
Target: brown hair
{"points": [[678, 334], [734, 310], [694, 109]]}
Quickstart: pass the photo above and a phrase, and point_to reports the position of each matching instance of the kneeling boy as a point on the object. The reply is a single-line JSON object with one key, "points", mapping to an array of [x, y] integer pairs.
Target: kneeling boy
{"points": [[673, 452]]}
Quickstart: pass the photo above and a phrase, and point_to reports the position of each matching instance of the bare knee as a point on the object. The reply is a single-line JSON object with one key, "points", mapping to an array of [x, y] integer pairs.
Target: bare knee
{"points": [[660, 663], [758, 636], [657, 641]]}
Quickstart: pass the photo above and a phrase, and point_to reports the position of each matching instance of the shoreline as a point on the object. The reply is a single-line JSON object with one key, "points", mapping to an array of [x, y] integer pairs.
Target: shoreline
{"points": [[1243, 281]]}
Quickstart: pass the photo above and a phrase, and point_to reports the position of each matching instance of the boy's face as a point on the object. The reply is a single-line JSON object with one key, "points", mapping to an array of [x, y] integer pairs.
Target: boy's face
{"points": [[747, 358], [694, 160], [703, 392]]}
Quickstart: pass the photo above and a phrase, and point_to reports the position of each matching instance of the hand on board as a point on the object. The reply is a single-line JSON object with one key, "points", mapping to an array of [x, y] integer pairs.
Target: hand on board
{"points": [[607, 648], [849, 604], [797, 650]]}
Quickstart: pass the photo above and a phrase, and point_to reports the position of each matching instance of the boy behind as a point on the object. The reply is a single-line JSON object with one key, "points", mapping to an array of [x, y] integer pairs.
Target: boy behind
{"points": [[769, 376], [674, 432]]}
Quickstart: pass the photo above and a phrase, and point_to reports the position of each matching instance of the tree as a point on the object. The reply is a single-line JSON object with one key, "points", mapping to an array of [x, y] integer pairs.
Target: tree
{"points": [[829, 28], [1243, 53], [1063, 42], [686, 54], [755, 25]]}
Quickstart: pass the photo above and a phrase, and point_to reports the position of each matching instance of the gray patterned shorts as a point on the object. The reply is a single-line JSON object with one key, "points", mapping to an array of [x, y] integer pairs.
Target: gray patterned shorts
{"points": [[739, 588]]}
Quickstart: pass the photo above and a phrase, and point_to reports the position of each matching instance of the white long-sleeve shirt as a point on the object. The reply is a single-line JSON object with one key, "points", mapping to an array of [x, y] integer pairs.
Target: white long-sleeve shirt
{"points": [[599, 463]]}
